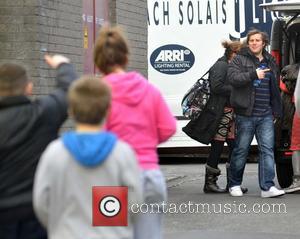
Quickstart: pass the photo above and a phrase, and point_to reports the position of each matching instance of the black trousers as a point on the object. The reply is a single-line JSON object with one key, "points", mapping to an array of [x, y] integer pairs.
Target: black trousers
{"points": [[216, 151], [23, 229]]}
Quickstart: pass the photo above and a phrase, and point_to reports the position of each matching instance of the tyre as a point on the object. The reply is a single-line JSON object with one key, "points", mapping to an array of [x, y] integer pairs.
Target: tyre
{"points": [[284, 172]]}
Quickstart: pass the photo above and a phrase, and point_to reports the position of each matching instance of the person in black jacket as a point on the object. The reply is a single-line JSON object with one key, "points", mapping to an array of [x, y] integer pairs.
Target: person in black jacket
{"points": [[255, 96], [215, 125], [26, 128]]}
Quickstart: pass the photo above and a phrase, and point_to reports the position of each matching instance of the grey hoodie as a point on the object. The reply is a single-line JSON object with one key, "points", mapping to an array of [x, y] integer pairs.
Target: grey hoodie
{"points": [[62, 194]]}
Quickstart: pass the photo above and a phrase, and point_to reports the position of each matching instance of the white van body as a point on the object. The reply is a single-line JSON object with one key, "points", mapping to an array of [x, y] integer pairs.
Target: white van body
{"points": [[184, 41]]}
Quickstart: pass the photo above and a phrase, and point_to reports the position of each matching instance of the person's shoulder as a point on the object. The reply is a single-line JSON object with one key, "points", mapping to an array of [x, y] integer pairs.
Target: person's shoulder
{"points": [[54, 145], [220, 64], [122, 151], [55, 151], [152, 92], [269, 57], [244, 51], [240, 56], [122, 147], [45, 106], [239, 59], [150, 89]]}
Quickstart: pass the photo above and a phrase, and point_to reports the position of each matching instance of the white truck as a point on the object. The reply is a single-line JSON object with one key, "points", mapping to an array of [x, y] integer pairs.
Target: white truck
{"points": [[184, 40]]}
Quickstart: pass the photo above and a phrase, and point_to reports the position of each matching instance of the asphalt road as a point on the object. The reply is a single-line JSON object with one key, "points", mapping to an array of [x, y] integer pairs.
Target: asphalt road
{"points": [[222, 216]]}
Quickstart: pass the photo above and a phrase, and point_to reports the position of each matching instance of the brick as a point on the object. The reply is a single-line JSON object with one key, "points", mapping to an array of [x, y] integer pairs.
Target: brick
{"points": [[28, 26]]}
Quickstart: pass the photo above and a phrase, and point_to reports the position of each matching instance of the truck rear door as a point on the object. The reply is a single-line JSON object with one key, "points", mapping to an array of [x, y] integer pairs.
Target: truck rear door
{"points": [[285, 35]]}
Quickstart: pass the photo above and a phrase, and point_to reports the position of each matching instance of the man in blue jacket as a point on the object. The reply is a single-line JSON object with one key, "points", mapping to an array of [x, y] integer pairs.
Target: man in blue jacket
{"points": [[256, 100], [26, 128]]}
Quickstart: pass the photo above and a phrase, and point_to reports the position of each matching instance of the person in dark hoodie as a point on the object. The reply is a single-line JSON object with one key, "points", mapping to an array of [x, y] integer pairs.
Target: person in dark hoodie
{"points": [[215, 125], [79, 160], [26, 128], [256, 100]]}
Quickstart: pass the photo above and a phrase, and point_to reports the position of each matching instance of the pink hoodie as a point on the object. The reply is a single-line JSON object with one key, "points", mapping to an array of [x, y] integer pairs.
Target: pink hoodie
{"points": [[139, 116]]}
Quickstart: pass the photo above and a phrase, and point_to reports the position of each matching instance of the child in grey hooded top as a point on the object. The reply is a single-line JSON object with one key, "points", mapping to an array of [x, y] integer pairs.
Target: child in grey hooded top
{"points": [[79, 160]]}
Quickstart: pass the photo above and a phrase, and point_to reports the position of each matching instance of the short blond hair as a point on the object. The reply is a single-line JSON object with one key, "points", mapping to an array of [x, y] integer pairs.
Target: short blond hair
{"points": [[89, 100]]}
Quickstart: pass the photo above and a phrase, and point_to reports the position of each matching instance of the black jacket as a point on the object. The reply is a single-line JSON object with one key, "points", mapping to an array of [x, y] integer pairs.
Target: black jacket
{"points": [[26, 128], [204, 128], [241, 73]]}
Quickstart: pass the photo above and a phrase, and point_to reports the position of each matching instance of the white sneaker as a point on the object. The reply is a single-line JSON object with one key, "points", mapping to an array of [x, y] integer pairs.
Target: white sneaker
{"points": [[272, 192], [236, 191]]}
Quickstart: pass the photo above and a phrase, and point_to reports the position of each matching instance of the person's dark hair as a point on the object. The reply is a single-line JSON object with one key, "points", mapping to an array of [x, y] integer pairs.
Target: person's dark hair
{"points": [[89, 100], [264, 36], [13, 79], [111, 49], [231, 47]]}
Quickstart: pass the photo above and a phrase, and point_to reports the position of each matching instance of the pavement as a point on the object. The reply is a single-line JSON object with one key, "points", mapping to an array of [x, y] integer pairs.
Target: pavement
{"points": [[228, 235], [185, 183]]}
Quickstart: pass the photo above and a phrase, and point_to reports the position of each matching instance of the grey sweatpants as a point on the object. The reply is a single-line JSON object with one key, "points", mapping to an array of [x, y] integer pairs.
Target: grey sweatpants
{"points": [[149, 225]]}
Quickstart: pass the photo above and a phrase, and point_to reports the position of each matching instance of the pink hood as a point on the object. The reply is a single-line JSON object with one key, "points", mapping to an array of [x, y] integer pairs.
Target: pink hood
{"points": [[128, 88], [139, 116]]}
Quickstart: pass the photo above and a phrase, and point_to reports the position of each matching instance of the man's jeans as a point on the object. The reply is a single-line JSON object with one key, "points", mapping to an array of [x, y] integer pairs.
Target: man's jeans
{"points": [[263, 129]]}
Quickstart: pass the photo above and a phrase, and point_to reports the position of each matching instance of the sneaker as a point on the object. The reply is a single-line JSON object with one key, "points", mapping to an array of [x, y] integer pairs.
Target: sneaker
{"points": [[295, 186], [236, 191], [272, 192]]}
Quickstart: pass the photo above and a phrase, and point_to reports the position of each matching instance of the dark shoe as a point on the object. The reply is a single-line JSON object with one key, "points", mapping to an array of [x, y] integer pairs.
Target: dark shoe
{"points": [[295, 186], [211, 178], [244, 190]]}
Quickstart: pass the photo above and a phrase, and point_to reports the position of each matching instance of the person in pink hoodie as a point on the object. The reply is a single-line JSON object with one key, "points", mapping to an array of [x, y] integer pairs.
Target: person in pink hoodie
{"points": [[139, 116]]}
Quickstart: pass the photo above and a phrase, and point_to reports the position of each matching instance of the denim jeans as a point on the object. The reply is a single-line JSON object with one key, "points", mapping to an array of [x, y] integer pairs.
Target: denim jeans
{"points": [[263, 129]]}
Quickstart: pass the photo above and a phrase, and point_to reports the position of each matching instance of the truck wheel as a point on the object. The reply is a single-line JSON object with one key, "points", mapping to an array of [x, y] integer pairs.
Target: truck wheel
{"points": [[284, 173]]}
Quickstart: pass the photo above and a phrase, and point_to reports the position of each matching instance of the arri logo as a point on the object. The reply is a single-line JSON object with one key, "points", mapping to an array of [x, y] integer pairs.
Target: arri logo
{"points": [[172, 59]]}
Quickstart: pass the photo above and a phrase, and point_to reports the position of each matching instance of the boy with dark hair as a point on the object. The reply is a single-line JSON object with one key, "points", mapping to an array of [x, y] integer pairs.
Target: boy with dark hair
{"points": [[14, 80], [26, 128], [79, 160]]}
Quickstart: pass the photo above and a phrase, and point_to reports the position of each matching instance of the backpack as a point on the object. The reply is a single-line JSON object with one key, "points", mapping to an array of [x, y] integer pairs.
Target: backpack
{"points": [[196, 98]]}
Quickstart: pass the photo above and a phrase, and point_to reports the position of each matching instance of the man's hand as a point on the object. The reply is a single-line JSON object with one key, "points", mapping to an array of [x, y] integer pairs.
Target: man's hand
{"points": [[261, 73], [56, 60]]}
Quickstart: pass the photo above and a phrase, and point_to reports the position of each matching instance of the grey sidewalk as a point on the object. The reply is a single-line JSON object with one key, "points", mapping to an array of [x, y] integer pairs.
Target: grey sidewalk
{"points": [[185, 183]]}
